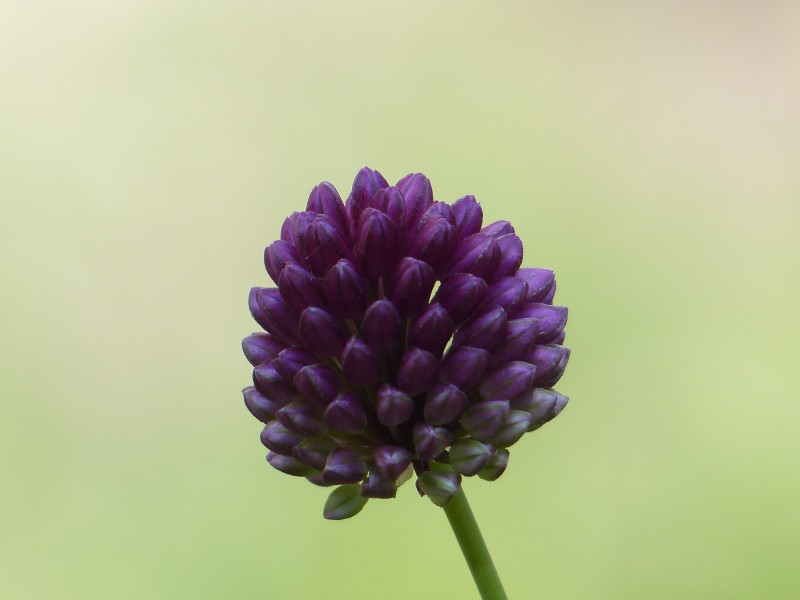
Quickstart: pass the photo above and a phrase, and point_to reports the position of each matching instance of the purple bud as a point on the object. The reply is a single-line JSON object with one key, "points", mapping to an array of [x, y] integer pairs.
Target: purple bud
{"points": [[346, 414], [274, 384], [377, 486], [394, 407], [299, 226], [366, 185], [360, 362], [277, 317], [261, 407], [390, 202], [519, 339], [510, 256], [478, 254], [548, 297], [460, 294], [434, 242], [291, 360], [464, 366], [344, 466], [279, 439], [551, 404], [469, 456], [430, 441], [485, 419], [469, 216], [485, 331], [539, 282], [508, 293], [508, 381], [317, 383], [378, 243], [324, 245], [498, 229], [417, 372], [302, 417], [313, 452], [439, 486], [277, 255], [381, 325], [344, 502], [515, 426], [325, 200], [418, 194], [289, 465], [412, 284], [534, 399], [496, 466], [444, 403], [392, 461], [345, 290], [261, 347], [550, 362], [322, 332], [549, 321], [432, 330]]}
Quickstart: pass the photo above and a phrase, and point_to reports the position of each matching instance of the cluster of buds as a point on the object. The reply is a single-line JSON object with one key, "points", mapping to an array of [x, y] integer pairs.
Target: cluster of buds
{"points": [[403, 337]]}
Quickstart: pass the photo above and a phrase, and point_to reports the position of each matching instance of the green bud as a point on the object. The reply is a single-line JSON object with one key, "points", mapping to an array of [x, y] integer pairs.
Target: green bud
{"points": [[496, 466], [344, 502], [469, 456], [439, 486]]}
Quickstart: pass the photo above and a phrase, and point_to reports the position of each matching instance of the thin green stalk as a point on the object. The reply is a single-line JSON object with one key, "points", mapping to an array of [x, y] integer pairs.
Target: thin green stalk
{"points": [[474, 548]]}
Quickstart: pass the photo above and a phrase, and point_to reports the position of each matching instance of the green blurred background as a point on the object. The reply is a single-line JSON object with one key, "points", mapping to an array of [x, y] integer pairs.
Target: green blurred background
{"points": [[649, 152]]}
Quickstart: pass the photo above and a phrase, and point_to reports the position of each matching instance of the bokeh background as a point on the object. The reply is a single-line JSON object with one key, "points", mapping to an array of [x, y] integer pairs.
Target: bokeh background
{"points": [[649, 152]]}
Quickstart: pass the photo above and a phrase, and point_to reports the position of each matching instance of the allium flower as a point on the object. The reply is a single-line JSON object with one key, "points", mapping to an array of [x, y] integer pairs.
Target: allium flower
{"points": [[402, 337]]}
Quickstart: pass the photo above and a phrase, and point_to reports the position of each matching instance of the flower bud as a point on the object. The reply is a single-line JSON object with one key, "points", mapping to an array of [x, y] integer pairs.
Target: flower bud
{"points": [[345, 290], [510, 256], [550, 362], [434, 242], [344, 466], [460, 294], [317, 383], [294, 228], [508, 381], [322, 332], [302, 417], [393, 406], [313, 452], [346, 414], [469, 216], [547, 410], [464, 366], [508, 293], [377, 486], [516, 424], [417, 372], [261, 407], [344, 502], [468, 456], [498, 229], [432, 330], [485, 419], [378, 243], [390, 202], [519, 340], [289, 465], [381, 325], [439, 486], [478, 254], [360, 362], [277, 255], [539, 282], [325, 200], [290, 360], [430, 441], [444, 403], [261, 347], [496, 466], [549, 321], [366, 185], [277, 317], [391, 461], [413, 282], [487, 330], [277, 438], [274, 384], [324, 245], [418, 196]]}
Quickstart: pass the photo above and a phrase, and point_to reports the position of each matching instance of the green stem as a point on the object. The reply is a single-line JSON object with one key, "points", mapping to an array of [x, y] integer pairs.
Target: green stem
{"points": [[474, 548]]}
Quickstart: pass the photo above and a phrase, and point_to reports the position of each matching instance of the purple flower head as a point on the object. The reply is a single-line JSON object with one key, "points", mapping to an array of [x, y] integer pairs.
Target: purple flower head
{"points": [[401, 336]]}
